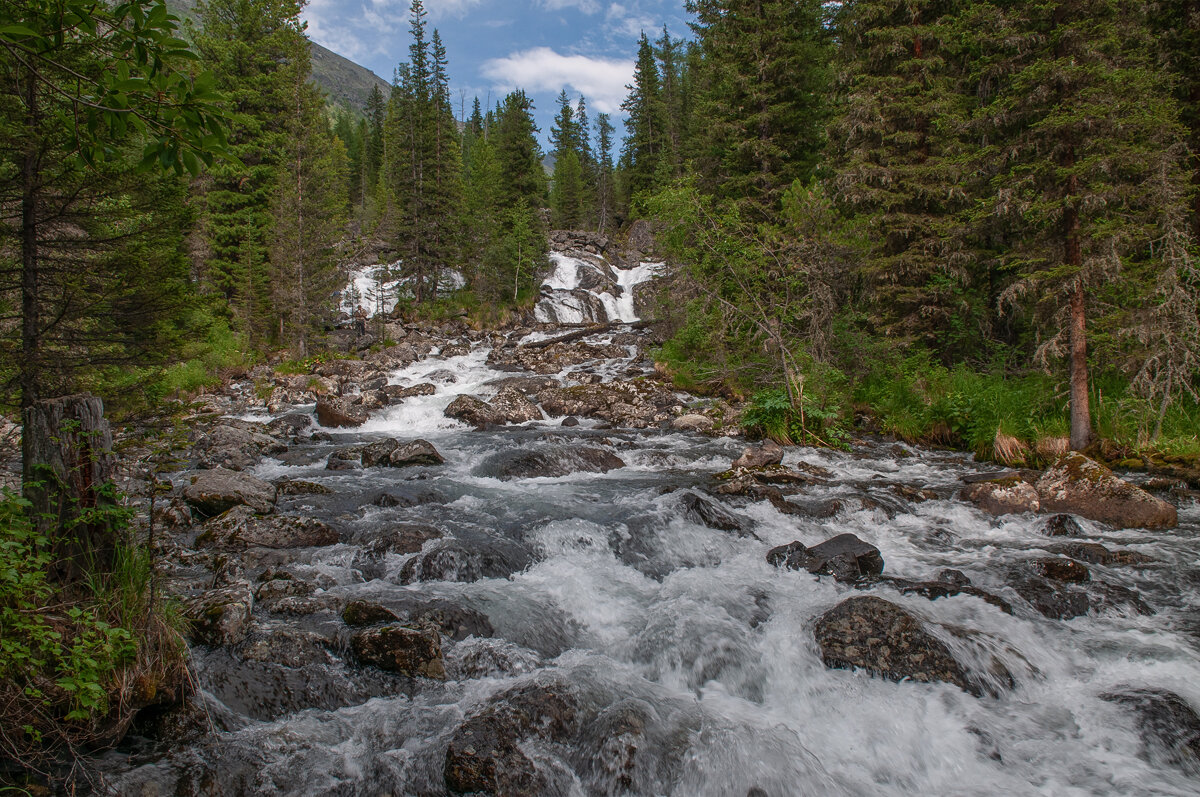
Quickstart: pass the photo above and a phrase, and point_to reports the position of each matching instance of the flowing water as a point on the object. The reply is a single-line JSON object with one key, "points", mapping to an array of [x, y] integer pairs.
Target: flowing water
{"points": [[640, 609]]}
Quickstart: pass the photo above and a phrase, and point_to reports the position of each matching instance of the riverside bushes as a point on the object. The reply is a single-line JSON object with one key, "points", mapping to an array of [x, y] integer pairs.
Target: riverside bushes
{"points": [[76, 661]]}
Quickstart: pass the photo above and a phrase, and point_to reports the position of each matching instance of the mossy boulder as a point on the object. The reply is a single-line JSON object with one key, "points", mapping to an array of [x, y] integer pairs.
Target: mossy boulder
{"points": [[1084, 487], [407, 651]]}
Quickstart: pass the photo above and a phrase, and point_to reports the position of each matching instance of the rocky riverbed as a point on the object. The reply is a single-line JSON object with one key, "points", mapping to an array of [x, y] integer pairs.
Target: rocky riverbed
{"points": [[467, 563]]}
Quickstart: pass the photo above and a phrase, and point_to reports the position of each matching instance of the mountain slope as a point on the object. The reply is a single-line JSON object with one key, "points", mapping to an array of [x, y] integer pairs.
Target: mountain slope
{"points": [[345, 82]]}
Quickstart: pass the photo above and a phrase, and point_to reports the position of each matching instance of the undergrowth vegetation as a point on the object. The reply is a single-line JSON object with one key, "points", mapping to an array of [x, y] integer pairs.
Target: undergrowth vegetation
{"points": [[78, 660]]}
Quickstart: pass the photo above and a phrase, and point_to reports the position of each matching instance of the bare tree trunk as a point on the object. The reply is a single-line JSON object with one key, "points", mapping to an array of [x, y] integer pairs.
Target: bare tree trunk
{"points": [[30, 322], [1081, 417], [70, 457]]}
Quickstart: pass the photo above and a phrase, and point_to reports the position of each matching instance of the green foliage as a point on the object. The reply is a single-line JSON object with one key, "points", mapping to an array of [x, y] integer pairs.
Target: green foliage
{"points": [[810, 420], [70, 652]]}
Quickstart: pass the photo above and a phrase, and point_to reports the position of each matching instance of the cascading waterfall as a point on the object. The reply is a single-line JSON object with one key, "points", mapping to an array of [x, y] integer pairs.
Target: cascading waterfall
{"points": [[692, 660], [591, 290]]}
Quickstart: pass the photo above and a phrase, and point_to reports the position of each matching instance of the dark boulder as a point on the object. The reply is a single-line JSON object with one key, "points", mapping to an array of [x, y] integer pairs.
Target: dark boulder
{"points": [[408, 651], [1062, 526], [1169, 726], [1059, 568], [870, 634], [452, 560], [706, 513], [845, 557], [298, 487], [359, 614], [220, 617], [394, 454], [1096, 554], [485, 752], [549, 462], [402, 538], [335, 411]]}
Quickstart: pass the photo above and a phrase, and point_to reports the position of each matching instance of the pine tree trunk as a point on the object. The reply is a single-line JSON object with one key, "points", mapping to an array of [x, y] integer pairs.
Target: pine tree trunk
{"points": [[1081, 418], [69, 446], [30, 333]]}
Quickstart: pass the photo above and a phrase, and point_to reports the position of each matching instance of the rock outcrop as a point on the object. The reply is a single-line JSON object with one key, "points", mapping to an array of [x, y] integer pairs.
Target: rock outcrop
{"points": [[215, 491]]}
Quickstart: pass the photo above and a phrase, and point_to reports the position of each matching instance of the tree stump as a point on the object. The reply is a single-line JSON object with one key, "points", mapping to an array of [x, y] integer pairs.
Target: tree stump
{"points": [[69, 464]]}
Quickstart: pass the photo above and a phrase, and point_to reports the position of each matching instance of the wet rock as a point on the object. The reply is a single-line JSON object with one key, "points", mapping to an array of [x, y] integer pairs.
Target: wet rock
{"points": [[938, 588], [769, 453], [485, 752], [402, 538], [287, 647], [241, 528], [1055, 600], [218, 490], [397, 393], [408, 651], [234, 448], [451, 560], [393, 453], [1102, 596], [220, 617], [1169, 726], [1062, 526], [299, 458], [271, 592], [442, 376], [870, 634], [454, 621], [845, 557], [915, 494], [526, 385], [473, 410], [340, 368], [706, 513], [1006, 496], [638, 403], [511, 406], [349, 458], [550, 462], [693, 423], [1096, 554], [297, 487], [359, 614], [1062, 569], [291, 425], [1084, 487], [570, 421], [954, 577], [487, 658], [334, 411]]}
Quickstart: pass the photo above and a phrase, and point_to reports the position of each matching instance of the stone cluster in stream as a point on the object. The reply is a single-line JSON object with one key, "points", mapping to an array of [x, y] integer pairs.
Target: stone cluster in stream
{"points": [[229, 550]]}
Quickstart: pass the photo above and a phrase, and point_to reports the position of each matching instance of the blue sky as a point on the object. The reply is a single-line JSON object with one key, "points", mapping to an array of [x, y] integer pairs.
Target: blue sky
{"points": [[543, 46]]}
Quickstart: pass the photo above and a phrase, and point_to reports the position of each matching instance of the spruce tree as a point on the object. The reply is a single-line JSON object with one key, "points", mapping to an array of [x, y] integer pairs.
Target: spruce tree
{"points": [[258, 50], [645, 125], [567, 197], [765, 105], [1085, 159], [899, 171], [605, 188]]}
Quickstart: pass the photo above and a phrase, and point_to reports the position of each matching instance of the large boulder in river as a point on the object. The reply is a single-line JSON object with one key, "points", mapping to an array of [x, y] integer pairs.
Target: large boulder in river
{"points": [[453, 560], [215, 491], [240, 528], [871, 634], [845, 557], [234, 448], [407, 651], [1005, 496], [769, 453], [512, 406], [550, 462], [220, 617], [1084, 487], [473, 410], [393, 453], [485, 753], [335, 411]]}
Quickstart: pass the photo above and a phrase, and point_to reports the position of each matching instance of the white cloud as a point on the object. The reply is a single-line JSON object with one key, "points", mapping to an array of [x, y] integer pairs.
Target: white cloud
{"points": [[586, 6], [601, 80]]}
